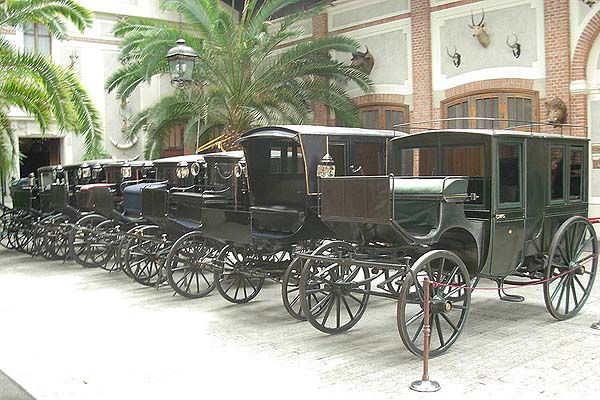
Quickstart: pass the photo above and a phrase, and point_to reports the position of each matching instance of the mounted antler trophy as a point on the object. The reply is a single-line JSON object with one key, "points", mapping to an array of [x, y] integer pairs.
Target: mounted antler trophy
{"points": [[515, 47], [590, 3], [479, 30], [363, 61], [455, 57]]}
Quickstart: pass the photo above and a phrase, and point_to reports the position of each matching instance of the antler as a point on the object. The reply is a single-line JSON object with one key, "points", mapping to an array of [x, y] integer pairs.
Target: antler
{"points": [[447, 52], [515, 43], [482, 17], [472, 21]]}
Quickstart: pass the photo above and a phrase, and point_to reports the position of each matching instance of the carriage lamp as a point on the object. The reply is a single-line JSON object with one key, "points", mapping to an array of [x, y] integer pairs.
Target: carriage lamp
{"points": [[183, 170], [84, 172], [31, 179], [195, 169], [96, 168], [181, 60], [326, 167], [126, 171]]}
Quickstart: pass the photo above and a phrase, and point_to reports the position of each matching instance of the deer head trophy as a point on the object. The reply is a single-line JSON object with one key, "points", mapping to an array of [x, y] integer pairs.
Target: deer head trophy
{"points": [[479, 30], [455, 57], [515, 47], [363, 61], [589, 2]]}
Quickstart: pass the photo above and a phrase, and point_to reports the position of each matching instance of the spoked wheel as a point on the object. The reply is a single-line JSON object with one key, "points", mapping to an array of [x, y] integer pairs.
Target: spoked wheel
{"points": [[234, 280], [290, 289], [39, 238], [107, 240], [57, 237], [449, 302], [571, 268], [82, 243], [334, 293], [189, 266], [24, 235], [6, 222], [144, 255]]}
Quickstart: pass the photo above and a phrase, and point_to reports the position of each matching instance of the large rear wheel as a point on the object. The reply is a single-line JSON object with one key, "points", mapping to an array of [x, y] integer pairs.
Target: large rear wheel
{"points": [[571, 268]]}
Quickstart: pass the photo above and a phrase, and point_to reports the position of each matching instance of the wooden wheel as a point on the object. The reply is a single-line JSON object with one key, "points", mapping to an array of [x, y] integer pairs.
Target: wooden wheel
{"points": [[334, 293], [144, 255], [6, 223], [449, 305], [571, 268], [57, 237], [233, 279], [188, 268], [290, 289], [24, 234], [108, 240], [82, 243]]}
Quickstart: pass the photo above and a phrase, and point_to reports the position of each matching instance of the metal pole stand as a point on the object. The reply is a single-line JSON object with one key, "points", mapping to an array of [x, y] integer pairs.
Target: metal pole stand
{"points": [[596, 325], [425, 385]]}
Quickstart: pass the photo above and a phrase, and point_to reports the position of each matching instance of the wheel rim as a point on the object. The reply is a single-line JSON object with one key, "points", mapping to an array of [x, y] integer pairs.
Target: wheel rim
{"points": [[334, 295], [449, 305], [57, 238], [189, 266], [571, 268], [234, 281], [144, 257], [107, 240], [290, 290], [82, 242]]}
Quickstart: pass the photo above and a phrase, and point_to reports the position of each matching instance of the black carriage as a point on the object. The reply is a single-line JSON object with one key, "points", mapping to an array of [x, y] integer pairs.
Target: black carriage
{"points": [[162, 207], [255, 238], [95, 240], [457, 206]]}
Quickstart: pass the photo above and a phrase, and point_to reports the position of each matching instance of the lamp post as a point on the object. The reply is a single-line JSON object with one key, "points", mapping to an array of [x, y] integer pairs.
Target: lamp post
{"points": [[181, 60]]}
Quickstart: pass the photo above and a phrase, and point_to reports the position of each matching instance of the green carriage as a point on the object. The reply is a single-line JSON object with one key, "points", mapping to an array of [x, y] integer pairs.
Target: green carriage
{"points": [[458, 205]]}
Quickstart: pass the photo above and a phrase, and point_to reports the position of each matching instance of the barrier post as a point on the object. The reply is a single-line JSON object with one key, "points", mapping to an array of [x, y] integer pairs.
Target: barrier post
{"points": [[425, 385]]}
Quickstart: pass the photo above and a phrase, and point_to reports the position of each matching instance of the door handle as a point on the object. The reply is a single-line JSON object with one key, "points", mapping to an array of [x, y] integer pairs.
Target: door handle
{"points": [[500, 216]]}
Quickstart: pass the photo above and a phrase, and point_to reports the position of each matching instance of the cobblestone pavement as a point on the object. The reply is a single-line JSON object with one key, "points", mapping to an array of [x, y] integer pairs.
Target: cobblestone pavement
{"points": [[74, 333]]}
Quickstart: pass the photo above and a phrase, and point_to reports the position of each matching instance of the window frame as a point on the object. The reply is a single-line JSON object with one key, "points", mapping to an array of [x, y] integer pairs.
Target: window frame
{"points": [[513, 204], [36, 39], [582, 194], [502, 95], [561, 200], [382, 108]]}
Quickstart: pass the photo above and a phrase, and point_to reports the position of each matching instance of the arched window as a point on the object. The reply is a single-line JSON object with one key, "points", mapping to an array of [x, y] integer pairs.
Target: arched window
{"points": [[383, 116], [519, 107]]}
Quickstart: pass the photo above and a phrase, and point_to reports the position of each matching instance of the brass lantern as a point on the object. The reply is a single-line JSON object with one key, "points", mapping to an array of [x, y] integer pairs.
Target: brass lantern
{"points": [[181, 60]]}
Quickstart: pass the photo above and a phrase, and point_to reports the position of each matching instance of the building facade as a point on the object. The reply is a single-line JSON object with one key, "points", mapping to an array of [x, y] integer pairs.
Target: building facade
{"points": [[501, 59], [93, 54]]}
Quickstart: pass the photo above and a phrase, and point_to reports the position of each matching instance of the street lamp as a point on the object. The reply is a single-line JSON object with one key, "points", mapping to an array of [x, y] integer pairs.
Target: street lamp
{"points": [[181, 60]]}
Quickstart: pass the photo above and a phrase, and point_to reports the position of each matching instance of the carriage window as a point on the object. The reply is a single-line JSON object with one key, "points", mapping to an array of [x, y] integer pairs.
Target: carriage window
{"points": [[509, 173], [338, 153], [575, 173], [369, 157], [286, 159], [557, 159], [418, 162]]}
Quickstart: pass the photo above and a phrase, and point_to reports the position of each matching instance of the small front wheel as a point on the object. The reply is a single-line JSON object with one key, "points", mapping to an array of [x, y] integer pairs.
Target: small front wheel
{"points": [[449, 302]]}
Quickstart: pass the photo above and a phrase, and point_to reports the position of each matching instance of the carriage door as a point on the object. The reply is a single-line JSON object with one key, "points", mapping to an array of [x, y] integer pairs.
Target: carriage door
{"points": [[508, 217]]}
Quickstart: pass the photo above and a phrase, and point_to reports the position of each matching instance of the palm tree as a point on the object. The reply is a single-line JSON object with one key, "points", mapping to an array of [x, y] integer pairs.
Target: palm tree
{"points": [[250, 70], [46, 91]]}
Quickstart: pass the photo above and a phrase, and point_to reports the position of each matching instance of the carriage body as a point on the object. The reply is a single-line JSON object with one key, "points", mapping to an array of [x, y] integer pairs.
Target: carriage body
{"points": [[281, 164], [512, 191]]}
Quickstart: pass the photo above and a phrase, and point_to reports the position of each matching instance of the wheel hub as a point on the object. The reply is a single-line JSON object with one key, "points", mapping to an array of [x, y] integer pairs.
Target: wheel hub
{"points": [[440, 305]]}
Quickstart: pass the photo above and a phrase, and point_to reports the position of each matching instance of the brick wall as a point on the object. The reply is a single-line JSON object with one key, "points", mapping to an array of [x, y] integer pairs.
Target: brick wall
{"points": [[421, 60], [557, 46]]}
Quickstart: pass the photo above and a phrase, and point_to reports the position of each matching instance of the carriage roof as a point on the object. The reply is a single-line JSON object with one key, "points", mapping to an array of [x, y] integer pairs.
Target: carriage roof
{"points": [[175, 160], [293, 131], [225, 156], [489, 133]]}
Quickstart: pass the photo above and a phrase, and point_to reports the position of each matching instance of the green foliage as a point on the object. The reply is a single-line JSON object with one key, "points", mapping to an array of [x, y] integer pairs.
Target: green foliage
{"points": [[46, 91], [250, 70]]}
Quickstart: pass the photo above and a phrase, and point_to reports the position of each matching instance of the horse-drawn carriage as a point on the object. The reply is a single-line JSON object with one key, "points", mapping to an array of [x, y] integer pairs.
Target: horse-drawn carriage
{"points": [[245, 241], [455, 206]]}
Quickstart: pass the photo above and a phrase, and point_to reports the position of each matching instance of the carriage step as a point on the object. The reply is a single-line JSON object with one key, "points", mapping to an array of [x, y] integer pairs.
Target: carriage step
{"points": [[513, 298]]}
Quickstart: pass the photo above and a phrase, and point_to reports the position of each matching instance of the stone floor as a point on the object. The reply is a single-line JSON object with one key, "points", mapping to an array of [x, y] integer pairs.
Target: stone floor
{"points": [[73, 333]]}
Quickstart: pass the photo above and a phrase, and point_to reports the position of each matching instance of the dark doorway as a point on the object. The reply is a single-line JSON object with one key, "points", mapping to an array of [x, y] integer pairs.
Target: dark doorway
{"points": [[38, 153]]}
